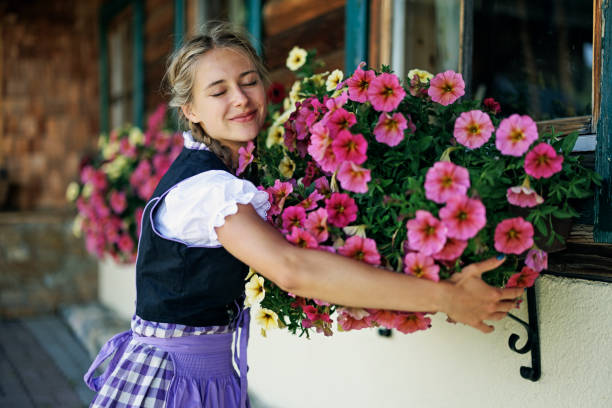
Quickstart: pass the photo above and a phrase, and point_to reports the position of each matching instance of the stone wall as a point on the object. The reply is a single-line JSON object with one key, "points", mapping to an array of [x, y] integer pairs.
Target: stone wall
{"points": [[49, 99], [42, 265]]}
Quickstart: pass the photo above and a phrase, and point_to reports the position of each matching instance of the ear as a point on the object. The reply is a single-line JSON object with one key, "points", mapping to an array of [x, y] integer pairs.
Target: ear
{"points": [[189, 114]]}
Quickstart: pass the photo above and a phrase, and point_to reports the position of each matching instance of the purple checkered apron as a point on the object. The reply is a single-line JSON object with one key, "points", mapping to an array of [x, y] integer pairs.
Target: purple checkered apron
{"points": [[167, 365]]}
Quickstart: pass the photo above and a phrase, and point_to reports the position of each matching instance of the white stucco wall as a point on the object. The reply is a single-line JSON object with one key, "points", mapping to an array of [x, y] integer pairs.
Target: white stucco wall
{"points": [[117, 287], [449, 365]]}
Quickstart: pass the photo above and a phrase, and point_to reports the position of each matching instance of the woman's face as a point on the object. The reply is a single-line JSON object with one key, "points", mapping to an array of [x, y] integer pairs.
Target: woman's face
{"points": [[229, 100]]}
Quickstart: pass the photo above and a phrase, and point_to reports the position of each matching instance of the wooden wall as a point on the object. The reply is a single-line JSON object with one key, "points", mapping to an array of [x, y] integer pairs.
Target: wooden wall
{"points": [[309, 24]]}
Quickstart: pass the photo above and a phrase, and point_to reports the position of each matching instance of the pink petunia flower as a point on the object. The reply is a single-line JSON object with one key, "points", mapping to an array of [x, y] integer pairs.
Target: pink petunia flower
{"points": [[349, 320], [473, 129], [310, 202], [385, 92], [543, 161], [277, 194], [353, 177], [492, 106], [301, 238], [127, 149], [453, 248], [515, 134], [523, 279], [141, 174], [537, 259], [359, 83], [322, 186], [445, 180], [446, 87], [138, 216], [161, 163], [522, 196], [126, 244], [421, 266], [339, 120], [513, 236], [336, 103], [245, 157], [463, 217], [320, 148], [361, 249], [293, 216], [341, 209], [350, 147], [426, 233], [390, 129], [383, 317], [316, 224], [99, 180], [410, 322], [118, 202]]}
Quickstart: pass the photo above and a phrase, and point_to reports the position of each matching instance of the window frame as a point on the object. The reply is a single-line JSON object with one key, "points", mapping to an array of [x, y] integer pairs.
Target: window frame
{"points": [[595, 130], [108, 11]]}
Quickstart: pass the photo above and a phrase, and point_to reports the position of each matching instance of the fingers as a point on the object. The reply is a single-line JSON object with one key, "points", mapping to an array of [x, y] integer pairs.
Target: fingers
{"points": [[478, 268], [511, 293], [485, 328], [506, 306]]}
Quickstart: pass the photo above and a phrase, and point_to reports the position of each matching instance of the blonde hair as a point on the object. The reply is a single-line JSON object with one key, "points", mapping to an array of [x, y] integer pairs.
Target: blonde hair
{"points": [[180, 74]]}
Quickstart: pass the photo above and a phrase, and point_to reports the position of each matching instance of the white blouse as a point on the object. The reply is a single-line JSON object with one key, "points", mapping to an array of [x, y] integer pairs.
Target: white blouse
{"points": [[193, 208]]}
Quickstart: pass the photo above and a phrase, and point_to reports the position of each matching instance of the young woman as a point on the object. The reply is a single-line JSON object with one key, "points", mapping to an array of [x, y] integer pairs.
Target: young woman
{"points": [[202, 228]]}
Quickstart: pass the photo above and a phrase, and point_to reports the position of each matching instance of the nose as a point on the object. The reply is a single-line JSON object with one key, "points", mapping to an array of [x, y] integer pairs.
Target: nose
{"points": [[240, 98]]}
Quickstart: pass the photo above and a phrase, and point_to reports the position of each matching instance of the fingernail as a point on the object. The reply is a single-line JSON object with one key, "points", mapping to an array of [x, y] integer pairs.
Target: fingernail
{"points": [[500, 257]]}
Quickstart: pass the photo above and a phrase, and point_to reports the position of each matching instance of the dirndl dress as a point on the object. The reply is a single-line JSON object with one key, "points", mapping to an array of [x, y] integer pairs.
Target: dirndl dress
{"points": [[172, 365]]}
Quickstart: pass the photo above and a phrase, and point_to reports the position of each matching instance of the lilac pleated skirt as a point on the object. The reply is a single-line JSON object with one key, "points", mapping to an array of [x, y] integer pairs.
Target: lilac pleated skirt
{"points": [[185, 371]]}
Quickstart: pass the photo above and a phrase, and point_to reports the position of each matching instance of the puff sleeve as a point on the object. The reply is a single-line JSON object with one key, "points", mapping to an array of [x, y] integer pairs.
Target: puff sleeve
{"points": [[192, 209]]}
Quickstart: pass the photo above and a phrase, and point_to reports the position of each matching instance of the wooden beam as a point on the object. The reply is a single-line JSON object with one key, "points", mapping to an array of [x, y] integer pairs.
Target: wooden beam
{"points": [[139, 77], [356, 34], [281, 15], [254, 23]]}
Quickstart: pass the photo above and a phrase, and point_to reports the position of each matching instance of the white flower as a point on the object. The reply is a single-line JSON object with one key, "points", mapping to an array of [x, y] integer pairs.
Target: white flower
{"points": [[72, 192], [110, 149], [358, 230], [286, 167], [334, 79], [297, 58], [266, 318], [423, 76], [275, 135], [136, 138], [254, 290], [294, 93], [88, 189], [77, 226]]}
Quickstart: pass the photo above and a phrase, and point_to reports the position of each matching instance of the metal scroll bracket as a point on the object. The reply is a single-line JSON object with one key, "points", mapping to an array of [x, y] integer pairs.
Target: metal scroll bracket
{"points": [[533, 338]]}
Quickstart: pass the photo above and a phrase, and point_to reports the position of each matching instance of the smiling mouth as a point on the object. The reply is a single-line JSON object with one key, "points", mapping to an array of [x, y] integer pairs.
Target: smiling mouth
{"points": [[246, 117]]}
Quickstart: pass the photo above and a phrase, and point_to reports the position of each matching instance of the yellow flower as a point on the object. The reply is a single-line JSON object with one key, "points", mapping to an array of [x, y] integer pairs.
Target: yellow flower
{"points": [[333, 80], [267, 318], [110, 149], [423, 76], [275, 136], [77, 226], [358, 230], [87, 190], [251, 273], [318, 78], [286, 167], [287, 104], [297, 58], [102, 141], [136, 137], [254, 290], [72, 192], [294, 93]]}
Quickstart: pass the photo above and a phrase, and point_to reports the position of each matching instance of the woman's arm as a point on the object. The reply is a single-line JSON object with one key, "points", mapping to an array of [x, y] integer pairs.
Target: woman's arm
{"points": [[341, 280]]}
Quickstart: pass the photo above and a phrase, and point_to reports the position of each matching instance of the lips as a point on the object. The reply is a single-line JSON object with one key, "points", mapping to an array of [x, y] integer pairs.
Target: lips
{"points": [[245, 117]]}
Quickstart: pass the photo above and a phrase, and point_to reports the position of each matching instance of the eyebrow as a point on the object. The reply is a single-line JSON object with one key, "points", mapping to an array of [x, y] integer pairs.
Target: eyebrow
{"points": [[223, 80]]}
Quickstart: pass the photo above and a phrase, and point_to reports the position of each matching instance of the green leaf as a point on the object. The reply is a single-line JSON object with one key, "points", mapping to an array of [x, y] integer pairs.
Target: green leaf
{"points": [[569, 142], [540, 225]]}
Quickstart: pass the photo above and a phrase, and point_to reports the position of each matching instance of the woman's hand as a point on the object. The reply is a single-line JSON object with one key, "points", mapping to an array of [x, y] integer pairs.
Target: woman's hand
{"points": [[471, 300]]}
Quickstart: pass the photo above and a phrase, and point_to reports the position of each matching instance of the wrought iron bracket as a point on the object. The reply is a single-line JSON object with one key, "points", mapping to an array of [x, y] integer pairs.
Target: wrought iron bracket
{"points": [[533, 338]]}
